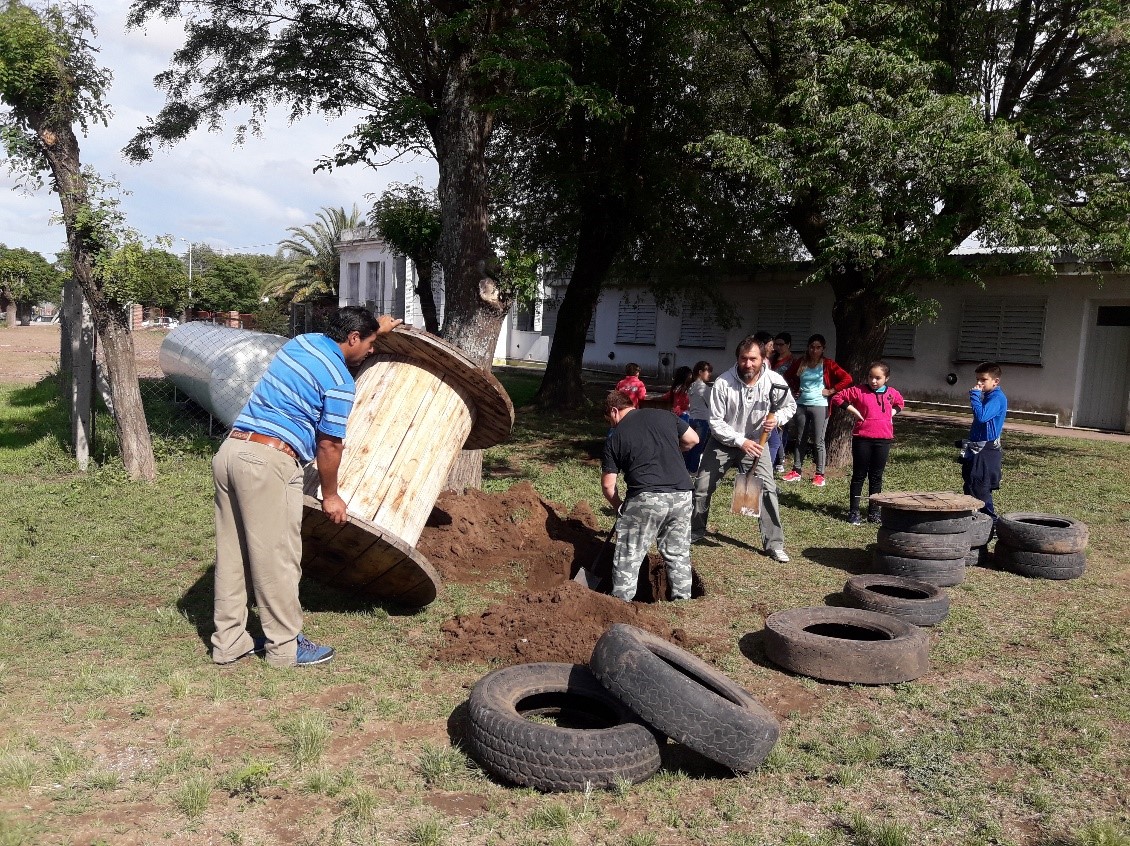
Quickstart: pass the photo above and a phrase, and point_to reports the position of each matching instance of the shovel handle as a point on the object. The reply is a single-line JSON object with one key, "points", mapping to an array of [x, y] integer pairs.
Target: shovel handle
{"points": [[765, 432]]}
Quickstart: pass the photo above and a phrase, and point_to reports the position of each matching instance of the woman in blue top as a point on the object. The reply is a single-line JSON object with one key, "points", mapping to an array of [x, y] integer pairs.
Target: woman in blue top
{"points": [[813, 380]]}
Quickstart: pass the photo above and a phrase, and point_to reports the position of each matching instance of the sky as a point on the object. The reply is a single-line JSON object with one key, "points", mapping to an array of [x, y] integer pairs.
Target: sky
{"points": [[205, 189]]}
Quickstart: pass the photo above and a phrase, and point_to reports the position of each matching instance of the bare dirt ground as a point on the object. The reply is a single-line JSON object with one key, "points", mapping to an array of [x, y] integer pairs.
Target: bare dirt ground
{"points": [[28, 353]]}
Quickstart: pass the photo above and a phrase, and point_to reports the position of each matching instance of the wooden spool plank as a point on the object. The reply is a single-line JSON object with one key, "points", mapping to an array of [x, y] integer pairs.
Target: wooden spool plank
{"points": [[377, 457], [927, 501], [365, 560], [492, 413], [368, 413], [384, 478], [419, 474]]}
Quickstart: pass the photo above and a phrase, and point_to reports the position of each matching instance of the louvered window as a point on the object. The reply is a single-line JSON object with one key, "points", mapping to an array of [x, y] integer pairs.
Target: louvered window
{"points": [[590, 333], [635, 320], [699, 328], [1002, 329], [900, 341], [786, 314]]}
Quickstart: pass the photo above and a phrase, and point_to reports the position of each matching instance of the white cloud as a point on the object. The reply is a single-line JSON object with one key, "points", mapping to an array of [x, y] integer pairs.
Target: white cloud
{"points": [[204, 189]]}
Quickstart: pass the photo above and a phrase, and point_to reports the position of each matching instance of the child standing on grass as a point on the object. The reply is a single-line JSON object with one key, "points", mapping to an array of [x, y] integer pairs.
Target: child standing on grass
{"points": [[874, 406], [679, 395], [699, 411], [632, 385], [981, 458]]}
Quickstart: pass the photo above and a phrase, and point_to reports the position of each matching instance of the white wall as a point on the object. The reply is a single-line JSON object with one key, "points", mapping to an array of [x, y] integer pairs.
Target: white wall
{"points": [[1050, 387]]}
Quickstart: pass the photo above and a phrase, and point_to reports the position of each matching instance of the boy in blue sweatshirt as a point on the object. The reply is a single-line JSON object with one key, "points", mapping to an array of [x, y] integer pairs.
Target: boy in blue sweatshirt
{"points": [[981, 462]]}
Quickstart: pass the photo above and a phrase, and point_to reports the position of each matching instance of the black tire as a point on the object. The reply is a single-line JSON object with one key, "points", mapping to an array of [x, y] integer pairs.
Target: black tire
{"points": [[1041, 565], [910, 600], [979, 556], [1036, 532], [685, 698], [980, 530], [847, 645], [609, 744], [915, 545], [941, 572], [925, 522]]}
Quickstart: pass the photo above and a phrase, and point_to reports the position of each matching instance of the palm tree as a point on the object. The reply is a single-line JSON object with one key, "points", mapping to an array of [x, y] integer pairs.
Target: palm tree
{"points": [[313, 268]]}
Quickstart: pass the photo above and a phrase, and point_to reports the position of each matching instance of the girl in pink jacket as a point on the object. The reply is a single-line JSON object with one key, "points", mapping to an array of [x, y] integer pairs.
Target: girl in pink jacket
{"points": [[875, 406]]}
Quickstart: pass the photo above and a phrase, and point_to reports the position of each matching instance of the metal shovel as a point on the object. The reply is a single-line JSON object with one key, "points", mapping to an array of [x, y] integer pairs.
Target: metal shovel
{"points": [[587, 576], [747, 487]]}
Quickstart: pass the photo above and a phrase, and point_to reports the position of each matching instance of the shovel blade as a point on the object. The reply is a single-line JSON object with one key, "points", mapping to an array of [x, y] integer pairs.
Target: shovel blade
{"points": [[747, 496]]}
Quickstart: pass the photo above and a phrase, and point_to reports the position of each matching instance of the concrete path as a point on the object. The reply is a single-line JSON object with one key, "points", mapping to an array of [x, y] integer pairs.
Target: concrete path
{"points": [[1028, 428]]}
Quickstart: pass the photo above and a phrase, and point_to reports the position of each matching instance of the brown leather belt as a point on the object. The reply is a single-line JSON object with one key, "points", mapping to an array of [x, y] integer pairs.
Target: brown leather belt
{"points": [[266, 440]]}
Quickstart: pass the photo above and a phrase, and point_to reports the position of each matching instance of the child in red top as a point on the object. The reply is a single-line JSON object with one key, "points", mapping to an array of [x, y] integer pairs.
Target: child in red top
{"points": [[679, 395], [631, 385], [875, 406]]}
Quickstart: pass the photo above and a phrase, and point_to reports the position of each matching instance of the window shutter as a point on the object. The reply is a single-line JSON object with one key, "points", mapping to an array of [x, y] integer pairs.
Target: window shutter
{"points": [[900, 341], [998, 329], [635, 320], [700, 329], [786, 314]]}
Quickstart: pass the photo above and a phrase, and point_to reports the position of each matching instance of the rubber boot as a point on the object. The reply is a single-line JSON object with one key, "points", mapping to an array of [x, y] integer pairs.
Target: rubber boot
{"points": [[874, 514], [853, 512]]}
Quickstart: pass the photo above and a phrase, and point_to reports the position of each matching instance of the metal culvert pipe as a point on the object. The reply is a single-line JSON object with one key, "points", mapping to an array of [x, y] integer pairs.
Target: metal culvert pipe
{"points": [[216, 365]]}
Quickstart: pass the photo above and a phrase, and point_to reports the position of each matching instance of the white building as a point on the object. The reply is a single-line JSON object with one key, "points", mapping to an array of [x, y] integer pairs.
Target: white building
{"points": [[373, 275], [1063, 343]]}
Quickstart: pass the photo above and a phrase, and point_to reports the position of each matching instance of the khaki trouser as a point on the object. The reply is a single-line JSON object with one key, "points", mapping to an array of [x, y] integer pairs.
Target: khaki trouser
{"points": [[258, 539]]}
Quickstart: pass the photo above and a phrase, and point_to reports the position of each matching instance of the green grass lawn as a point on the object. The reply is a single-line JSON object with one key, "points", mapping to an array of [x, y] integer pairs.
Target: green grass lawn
{"points": [[118, 729]]}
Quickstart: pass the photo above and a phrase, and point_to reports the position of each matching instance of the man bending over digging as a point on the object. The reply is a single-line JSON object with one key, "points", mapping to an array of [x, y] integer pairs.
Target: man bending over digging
{"points": [[646, 445]]}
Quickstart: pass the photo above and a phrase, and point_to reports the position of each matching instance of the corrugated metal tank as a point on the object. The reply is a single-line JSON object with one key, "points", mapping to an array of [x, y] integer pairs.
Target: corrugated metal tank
{"points": [[217, 366]]}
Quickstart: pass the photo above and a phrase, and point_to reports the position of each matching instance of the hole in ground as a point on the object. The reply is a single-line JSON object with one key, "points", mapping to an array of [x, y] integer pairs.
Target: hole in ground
{"points": [[846, 631]]}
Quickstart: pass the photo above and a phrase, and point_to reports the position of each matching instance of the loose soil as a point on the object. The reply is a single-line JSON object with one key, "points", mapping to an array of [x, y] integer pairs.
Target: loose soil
{"points": [[525, 541]]}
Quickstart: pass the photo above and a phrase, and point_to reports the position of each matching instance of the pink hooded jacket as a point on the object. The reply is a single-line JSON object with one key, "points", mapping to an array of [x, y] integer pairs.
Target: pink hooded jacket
{"points": [[877, 410]]}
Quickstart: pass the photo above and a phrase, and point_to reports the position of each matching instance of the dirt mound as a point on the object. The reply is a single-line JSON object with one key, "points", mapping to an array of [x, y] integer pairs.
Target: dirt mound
{"points": [[562, 624], [519, 538]]}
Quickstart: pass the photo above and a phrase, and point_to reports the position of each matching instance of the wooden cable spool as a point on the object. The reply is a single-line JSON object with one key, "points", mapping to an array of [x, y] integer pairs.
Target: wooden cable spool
{"points": [[929, 501], [419, 401]]}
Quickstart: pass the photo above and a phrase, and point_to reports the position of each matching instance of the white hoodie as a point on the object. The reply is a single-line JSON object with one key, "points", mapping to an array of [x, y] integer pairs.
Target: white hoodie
{"points": [[737, 410]]}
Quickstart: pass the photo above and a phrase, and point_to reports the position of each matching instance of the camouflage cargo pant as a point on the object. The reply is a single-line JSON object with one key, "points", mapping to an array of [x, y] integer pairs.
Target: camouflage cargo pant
{"points": [[647, 517]]}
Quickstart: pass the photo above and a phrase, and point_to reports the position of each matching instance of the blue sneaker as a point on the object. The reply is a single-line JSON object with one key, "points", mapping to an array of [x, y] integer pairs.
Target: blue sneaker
{"points": [[310, 653]]}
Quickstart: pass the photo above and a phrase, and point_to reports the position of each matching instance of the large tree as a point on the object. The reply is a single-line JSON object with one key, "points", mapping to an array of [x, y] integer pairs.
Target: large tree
{"points": [[887, 133], [50, 83], [430, 76]]}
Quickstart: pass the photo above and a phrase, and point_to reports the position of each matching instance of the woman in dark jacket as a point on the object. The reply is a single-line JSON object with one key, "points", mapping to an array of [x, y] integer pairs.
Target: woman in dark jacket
{"points": [[813, 379]]}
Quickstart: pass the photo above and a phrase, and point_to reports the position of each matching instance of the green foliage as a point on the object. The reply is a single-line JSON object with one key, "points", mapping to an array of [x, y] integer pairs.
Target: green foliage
{"points": [[407, 219], [313, 267], [27, 277], [136, 273], [47, 70], [229, 283]]}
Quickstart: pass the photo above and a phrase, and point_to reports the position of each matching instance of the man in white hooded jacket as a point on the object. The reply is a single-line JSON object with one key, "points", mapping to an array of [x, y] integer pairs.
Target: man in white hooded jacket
{"points": [[739, 407]]}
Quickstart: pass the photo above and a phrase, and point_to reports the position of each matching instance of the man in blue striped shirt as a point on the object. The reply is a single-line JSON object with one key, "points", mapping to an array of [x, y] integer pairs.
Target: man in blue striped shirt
{"points": [[297, 412]]}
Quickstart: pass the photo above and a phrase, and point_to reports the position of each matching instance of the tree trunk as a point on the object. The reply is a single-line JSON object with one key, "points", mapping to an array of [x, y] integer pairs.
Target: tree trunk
{"points": [[475, 306], [424, 275], [859, 314], [599, 239], [78, 382], [60, 146]]}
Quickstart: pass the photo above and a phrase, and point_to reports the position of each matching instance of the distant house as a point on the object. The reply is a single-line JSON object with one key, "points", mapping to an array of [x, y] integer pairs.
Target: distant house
{"points": [[373, 275], [1064, 342]]}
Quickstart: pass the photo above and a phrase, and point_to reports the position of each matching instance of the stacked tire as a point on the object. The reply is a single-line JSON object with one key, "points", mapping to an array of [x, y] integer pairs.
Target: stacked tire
{"points": [[980, 533], [928, 546], [610, 718], [1042, 546]]}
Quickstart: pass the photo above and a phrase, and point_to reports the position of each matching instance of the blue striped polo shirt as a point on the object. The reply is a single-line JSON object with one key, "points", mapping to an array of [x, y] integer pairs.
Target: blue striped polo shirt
{"points": [[306, 389]]}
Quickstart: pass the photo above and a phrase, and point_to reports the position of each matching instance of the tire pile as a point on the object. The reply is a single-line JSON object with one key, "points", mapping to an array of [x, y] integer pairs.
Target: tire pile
{"points": [[878, 641], [609, 718]]}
